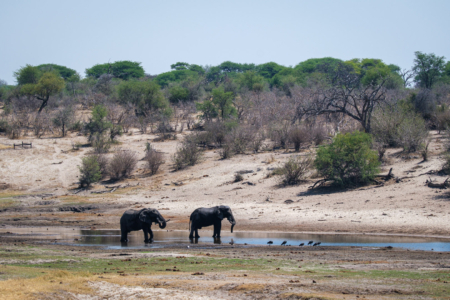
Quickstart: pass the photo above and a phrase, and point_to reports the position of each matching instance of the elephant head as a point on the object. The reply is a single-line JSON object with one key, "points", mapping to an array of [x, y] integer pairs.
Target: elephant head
{"points": [[150, 215], [225, 212]]}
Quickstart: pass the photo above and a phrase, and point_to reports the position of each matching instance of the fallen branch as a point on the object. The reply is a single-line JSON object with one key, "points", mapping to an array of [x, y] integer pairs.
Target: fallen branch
{"points": [[321, 182], [432, 184], [80, 190], [389, 175]]}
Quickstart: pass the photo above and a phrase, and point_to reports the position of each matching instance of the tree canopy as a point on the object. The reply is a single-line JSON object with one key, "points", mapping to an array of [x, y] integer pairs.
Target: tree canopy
{"points": [[428, 69], [63, 71], [120, 69]]}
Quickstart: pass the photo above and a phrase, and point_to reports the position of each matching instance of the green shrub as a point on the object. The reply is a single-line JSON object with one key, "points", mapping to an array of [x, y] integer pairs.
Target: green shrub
{"points": [[89, 171], [348, 160]]}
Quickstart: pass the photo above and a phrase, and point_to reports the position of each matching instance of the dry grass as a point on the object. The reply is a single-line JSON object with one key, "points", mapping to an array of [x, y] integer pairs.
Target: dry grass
{"points": [[3, 147], [50, 282]]}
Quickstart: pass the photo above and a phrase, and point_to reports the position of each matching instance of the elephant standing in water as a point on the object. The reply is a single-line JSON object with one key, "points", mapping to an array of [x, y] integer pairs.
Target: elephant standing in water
{"points": [[202, 217], [133, 220]]}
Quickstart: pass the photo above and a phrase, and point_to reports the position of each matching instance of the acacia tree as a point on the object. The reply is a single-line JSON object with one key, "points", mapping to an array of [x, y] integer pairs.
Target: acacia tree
{"points": [[344, 93], [428, 69], [37, 85]]}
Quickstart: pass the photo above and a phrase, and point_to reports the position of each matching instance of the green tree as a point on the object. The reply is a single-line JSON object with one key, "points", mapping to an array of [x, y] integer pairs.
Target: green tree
{"points": [[208, 109], [98, 124], [428, 69], [251, 80], [27, 75], [48, 84], [224, 103], [270, 69], [120, 69], [63, 71], [348, 160], [179, 66], [145, 95]]}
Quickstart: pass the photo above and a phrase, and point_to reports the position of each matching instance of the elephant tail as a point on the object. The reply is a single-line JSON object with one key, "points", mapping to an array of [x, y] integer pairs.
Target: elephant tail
{"points": [[190, 225]]}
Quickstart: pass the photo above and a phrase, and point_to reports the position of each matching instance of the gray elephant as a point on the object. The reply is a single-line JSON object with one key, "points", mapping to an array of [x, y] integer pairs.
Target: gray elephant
{"points": [[202, 217], [133, 220]]}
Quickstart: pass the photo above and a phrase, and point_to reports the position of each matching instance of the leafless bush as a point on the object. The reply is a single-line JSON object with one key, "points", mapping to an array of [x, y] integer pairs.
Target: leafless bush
{"points": [[122, 164], [411, 133], [154, 160], [42, 124], [318, 134], [257, 142], [14, 129], [299, 136], [227, 150], [187, 154], [217, 132], [240, 138], [165, 130], [442, 119], [294, 170], [385, 123], [63, 119], [279, 133]]}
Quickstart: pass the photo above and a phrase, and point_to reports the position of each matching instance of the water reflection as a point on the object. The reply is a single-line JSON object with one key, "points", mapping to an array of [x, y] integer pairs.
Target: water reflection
{"points": [[111, 238]]}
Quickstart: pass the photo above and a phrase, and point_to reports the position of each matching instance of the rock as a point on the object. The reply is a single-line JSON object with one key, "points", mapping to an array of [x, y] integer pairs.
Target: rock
{"points": [[288, 201]]}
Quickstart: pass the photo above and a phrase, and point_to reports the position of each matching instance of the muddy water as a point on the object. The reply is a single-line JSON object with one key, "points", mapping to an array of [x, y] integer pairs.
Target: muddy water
{"points": [[111, 238]]}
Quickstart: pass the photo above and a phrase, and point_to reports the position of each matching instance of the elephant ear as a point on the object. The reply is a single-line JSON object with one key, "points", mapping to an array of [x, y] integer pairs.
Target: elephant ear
{"points": [[219, 214], [143, 216]]}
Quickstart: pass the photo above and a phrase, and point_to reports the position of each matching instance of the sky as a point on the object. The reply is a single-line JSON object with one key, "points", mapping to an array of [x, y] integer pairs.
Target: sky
{"points": [[79, 34]]}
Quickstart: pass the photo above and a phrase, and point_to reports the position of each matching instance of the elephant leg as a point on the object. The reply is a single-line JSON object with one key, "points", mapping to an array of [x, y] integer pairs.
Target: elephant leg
{"points": [[196, 233], [145, 235], [217, 229], [124, 234], [191, 235], [151, 233]]}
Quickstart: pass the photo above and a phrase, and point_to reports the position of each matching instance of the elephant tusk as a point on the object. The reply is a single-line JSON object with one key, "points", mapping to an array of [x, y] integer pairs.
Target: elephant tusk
{"points": [[167, 220]]}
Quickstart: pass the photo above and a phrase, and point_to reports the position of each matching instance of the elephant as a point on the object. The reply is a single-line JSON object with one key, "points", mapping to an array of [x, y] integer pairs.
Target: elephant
{"points": [[202, 217], [133, 220]]}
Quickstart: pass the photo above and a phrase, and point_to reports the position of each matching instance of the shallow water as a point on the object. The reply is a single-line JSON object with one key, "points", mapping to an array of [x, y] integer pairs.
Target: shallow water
{"points": [[110, 239]]}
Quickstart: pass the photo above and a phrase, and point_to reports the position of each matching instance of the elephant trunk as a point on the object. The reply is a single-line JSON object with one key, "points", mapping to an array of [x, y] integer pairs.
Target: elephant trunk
{"points": [[232, 221], [162, 224]]}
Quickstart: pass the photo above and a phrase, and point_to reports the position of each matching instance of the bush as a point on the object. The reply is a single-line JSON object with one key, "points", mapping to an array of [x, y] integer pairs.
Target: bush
{"points": [[100, 143], [411, 133], [226, 151], [238, 177], [187, 154], [77, 126], [89, 171], [318, 134], [298, 136], [154, 160], [4, 126], [122, 164], [294, 170], [348, 160], [240, 138], [103, 163]]}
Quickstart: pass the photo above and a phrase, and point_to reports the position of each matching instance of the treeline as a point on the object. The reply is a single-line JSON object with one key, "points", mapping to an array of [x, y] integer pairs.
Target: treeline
{"points": [[236, 106]]}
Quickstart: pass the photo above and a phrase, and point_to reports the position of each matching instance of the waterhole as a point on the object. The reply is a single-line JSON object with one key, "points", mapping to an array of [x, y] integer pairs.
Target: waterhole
{"points": [[111, 238]]}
